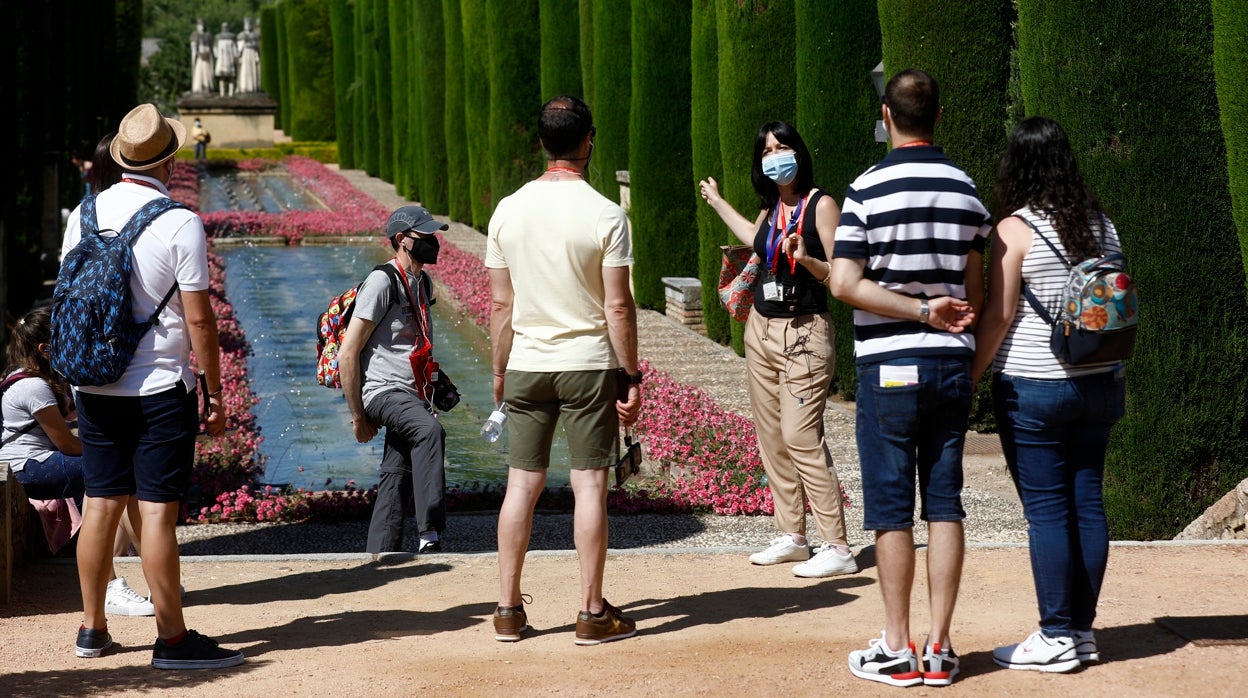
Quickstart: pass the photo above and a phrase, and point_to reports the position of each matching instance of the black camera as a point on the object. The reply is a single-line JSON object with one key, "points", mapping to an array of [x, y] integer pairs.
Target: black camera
{"points": [[445, 394]]}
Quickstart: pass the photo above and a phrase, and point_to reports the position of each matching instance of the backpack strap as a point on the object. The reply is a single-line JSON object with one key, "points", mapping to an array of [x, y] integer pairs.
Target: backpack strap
{"points": [[4, 387], [1027, 292], [137, 224]]}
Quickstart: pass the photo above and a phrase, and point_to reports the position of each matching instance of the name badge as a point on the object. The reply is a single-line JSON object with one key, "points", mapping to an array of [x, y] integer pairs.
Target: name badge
{"points": [[771, 288]]}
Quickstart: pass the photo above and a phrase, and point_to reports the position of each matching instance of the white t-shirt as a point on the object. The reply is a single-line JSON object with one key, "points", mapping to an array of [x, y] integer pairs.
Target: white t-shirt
{"points": [[555, 238], [21, 401], [171, 249]]}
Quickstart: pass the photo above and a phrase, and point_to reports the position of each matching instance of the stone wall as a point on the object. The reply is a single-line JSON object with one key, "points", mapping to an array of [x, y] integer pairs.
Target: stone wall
{"points": [[1227, 519]]}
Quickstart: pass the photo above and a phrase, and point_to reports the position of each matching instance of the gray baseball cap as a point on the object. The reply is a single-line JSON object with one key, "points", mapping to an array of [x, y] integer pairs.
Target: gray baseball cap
{"points": [[415, 218]]}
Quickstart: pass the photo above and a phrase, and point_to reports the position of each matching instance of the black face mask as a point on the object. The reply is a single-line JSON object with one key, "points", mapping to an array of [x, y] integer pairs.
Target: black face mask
{"points": [[425, 249]]}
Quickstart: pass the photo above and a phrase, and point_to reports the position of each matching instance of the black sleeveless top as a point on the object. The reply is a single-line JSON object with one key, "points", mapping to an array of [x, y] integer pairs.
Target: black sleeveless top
{"points": [[811, 296]]}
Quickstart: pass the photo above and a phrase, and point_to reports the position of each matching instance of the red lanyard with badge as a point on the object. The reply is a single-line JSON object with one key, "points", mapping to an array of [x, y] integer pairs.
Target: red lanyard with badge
{"points": [[779, 230], [424, 368]]}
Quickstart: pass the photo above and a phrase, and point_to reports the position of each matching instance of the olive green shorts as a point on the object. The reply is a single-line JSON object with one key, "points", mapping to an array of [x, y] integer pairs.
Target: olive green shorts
{"points": [[584, 400]]}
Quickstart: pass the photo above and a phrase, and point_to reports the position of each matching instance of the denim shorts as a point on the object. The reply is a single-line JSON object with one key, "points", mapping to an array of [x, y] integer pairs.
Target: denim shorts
{"points": [[910, 430], [138, 445]]}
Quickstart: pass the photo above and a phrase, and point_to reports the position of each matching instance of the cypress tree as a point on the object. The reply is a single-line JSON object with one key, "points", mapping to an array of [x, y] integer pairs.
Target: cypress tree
{"points": [[385, 88], [457, 177], [586, 27], [477, 109], [1230, 62], [561, 51], [270, 64], [660, 149], [837, 107], [611, 99], [343, 25], [514, 98], [283, 66], [430, 77], [1133, 85], [401, 31], [311, 70], [756, 42], [704, 139], [365, 65]]}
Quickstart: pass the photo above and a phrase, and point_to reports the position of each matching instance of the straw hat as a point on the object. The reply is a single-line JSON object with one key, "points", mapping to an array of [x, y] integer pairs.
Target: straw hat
{"points": [[146, 139]]}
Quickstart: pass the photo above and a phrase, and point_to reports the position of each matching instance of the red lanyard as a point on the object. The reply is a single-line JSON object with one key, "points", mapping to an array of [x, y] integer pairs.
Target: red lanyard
{"points": [[141, 183], [914, 144], [422, 321], [778, 222], [562, 170]]}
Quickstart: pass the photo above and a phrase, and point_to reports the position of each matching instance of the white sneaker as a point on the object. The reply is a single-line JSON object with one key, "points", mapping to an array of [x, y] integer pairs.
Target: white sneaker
{"points": [[1085, 646], [1039, 653], [826, 563], [121, 600], [782, 549]]}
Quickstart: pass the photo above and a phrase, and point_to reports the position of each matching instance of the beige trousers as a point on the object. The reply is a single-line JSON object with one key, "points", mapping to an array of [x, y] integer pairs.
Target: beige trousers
{"points": [[790, 361]]}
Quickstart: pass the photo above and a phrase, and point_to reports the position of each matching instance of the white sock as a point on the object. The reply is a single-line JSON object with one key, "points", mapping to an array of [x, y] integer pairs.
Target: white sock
{"points": [[429, 537]]}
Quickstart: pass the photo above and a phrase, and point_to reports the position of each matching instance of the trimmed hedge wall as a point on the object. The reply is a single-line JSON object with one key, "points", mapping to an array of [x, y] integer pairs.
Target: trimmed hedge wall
{"points": [[704, 141], [430, 80], [384, 90], [611, 99], [561, 48], [342, 24], [366, 60], [270, 60], [283, 67], [404, 97], [660, 150], [477, 109], [311, 61], [586, 27], [458, 183], [837, 108], [756, 41], [1135, 91], [515, 155], [1230, 63]]}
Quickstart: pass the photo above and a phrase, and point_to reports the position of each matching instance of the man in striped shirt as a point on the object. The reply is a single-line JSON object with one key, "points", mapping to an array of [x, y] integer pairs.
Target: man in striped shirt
{"points": [[909, 258]]}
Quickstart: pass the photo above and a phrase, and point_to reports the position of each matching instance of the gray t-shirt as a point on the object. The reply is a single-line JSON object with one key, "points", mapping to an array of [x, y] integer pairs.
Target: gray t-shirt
{"points": [[20, 403], [385, 359]]}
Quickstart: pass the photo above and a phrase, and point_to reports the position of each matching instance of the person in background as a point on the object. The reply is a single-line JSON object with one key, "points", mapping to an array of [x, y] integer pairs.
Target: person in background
{"points": [[1054, 418], [789, 349], [200, 135]]}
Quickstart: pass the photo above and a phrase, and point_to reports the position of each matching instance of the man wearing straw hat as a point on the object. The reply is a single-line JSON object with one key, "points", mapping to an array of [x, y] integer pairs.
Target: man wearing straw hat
{"points": [[138, 433]]}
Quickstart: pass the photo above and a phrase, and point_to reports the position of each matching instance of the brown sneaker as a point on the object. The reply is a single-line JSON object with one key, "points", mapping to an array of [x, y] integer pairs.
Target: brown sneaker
{"points": [[595, 630], [509, 622]]}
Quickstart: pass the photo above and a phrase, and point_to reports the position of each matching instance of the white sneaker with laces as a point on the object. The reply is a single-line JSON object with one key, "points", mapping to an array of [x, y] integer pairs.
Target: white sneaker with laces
{"points": [[1085, 646], [826, 562], [782, 549], [878, 663], [1039, 653], [121, 600]]}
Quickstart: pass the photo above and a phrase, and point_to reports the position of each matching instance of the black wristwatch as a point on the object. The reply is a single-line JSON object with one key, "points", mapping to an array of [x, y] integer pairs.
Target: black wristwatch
{"points": [[633, 378]]}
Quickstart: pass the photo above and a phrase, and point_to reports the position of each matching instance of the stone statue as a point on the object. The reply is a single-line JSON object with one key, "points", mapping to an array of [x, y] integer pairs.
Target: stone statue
{"points": [[248, 59], [227, 60], [201, 60]]}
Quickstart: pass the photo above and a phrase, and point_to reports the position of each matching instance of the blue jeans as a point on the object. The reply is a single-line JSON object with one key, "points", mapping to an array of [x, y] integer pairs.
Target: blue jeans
{"points": [[57, 477], [913, 429], [1054, 434]]}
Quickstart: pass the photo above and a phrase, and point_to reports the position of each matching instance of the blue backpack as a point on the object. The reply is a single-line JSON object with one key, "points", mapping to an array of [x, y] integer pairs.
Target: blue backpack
{"points": [[94, 333]]}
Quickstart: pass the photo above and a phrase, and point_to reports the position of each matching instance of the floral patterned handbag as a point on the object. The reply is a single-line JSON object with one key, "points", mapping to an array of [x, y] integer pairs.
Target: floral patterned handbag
{"points": [[737, 275]]}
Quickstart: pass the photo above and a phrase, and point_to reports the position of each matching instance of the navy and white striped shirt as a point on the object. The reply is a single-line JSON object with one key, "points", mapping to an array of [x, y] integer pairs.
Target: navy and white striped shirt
{"points": [[914, 217]]}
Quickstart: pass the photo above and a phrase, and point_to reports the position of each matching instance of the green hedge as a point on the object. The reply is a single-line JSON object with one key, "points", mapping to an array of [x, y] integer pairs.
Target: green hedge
{"points": [[704, 141], [561, 48], [837, 108], [283, 67], [365, 69], [660, 150], [610, 99], [515, 155], [327, 152], [1133, 84], [756, 45], [458, 186], [586, 27], [270, 61], [385, 88], [430, 73], [477, 109], [342, 23], [311, 59], [1230, 62], [404, 97]]}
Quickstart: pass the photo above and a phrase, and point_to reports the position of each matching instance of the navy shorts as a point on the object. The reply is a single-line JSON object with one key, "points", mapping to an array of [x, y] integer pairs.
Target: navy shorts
{"points": [[138, 445]]}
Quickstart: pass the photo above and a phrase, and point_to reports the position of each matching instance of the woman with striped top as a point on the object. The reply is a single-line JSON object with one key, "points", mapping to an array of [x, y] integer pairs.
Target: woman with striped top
{"points": [[1054, 418]]}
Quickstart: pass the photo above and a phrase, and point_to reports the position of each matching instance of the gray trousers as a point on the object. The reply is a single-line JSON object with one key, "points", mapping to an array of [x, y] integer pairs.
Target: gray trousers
{"points": [[413, 470]]}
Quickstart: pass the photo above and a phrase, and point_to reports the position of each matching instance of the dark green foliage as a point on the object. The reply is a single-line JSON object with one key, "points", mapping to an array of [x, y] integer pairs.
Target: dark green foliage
{"points": [[1230, 62], [270, 62], [561, 49], [457, 178], [704, 140], [310, 45], [128, 45], [586, 27], [664, 225], [756, 40], [365, 104], [610, 99], [477, 109], [385, 90], [342, 23], [430, 70], [515, 156], [283, 68], [837, 107], [1135, 92], [403, 82]]}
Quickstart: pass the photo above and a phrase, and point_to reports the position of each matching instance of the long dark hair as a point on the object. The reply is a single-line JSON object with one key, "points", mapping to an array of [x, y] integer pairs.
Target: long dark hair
{"points": [[1039, 170], [33, 329], [768, 192], [105, 172]]}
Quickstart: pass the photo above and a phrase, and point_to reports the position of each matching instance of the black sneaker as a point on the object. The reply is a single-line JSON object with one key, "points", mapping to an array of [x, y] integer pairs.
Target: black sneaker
{"points": [[91, 642], [429, 546], [194, 652]]}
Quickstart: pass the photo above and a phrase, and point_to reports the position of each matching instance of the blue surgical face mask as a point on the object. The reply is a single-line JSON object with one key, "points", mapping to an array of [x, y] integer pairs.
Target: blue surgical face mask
{"points": [[781, 167]]}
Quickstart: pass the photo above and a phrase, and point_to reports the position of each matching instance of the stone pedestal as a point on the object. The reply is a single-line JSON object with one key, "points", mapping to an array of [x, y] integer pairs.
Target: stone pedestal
{"points": [[241, 121], [684, 301]]}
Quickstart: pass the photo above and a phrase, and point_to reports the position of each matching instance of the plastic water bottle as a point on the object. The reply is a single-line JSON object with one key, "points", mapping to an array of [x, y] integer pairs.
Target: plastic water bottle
{"points": [[493, 427]]}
